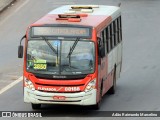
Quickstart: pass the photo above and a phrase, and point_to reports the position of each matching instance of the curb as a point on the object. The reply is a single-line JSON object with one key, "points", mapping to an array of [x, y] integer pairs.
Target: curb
{"points": [[6, 4]]}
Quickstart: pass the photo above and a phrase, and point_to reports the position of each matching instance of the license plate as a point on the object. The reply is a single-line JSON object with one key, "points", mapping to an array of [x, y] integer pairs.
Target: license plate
{"points": [[59, 97]]}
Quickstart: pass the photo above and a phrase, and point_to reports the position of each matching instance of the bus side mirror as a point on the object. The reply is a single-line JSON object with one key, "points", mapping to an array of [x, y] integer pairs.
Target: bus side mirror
{"points": [[20, 48], [20, 51]]}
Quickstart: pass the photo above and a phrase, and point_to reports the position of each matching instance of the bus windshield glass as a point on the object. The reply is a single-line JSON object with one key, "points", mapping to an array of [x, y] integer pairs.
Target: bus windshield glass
{"points": [[61, 57]]}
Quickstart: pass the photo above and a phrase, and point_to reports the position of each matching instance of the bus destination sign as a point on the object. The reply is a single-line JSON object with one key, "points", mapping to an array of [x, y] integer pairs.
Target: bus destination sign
{"points": [[61, 31]]}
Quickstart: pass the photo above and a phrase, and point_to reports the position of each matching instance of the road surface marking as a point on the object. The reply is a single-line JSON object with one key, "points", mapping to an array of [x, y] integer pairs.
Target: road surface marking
{"points": [[10, 85]]}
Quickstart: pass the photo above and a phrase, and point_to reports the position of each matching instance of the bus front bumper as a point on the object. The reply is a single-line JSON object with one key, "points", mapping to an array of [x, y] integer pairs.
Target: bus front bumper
{"points": [[80, 98]]}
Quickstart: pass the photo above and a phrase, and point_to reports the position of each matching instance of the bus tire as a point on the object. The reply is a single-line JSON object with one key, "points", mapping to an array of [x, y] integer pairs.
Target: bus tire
{"points": [[113, 88], [98, 104], [36, 106]]}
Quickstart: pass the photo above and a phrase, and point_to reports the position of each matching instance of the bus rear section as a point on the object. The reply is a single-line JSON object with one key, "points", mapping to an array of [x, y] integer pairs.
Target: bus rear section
{"points": [[66, 59]]}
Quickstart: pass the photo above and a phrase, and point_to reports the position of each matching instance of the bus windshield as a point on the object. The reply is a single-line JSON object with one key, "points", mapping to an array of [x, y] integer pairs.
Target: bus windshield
{"points": [[61, 57]]}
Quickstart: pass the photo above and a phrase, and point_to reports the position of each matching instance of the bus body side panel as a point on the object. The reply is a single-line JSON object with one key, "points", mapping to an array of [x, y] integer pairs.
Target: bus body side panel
{"points": [[111, 62], [119, 60], [114, 62], [25, 56], [98, 68], [106, 76]]}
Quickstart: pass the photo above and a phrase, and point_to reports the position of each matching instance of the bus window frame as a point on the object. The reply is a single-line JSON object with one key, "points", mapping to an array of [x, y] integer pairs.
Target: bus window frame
{"points": [[103, 33], [111, 37], [108, 39], [119, 29], [115, 32], [82, 39]]}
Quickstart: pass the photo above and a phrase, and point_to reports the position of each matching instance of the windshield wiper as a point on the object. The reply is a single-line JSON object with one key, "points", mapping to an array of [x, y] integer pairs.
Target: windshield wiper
{"points": [[71, 51], [52, 48], [73, 47]]}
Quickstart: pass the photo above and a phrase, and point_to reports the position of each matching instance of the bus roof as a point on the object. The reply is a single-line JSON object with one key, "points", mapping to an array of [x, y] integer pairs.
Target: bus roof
{"points": [[101, 16], [112, 11]]}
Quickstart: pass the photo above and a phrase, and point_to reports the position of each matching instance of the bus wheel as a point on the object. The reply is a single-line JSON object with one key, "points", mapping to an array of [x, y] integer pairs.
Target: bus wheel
{"points": [[36, 106], [113, 88]]}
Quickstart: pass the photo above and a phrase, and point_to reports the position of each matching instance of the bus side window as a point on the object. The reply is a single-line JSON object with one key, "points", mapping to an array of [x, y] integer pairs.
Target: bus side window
{"points": [[118, 39], [115, 32], [112, 36], [105, 40], [119, 29], [108, 39], [102, 40]]}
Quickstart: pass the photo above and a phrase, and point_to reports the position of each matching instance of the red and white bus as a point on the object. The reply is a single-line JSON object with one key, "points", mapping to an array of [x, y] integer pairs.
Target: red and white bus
{"points": [[72, 55]]}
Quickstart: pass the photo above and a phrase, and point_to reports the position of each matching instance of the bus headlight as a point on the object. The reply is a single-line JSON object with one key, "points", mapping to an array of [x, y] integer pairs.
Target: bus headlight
{"points": [[91, 85], [29, 84]]}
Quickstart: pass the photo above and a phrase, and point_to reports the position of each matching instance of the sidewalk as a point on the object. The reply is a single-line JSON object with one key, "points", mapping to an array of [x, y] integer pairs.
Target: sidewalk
{"points": [[5, 3]]}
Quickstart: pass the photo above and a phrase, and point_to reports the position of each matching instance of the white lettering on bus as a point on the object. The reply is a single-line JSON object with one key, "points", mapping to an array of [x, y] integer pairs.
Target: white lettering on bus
{"points": [[47, 89], [72, 88]]}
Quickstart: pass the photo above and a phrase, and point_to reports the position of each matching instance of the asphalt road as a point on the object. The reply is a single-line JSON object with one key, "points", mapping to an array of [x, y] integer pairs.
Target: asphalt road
{"points": [[137, 89]]}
